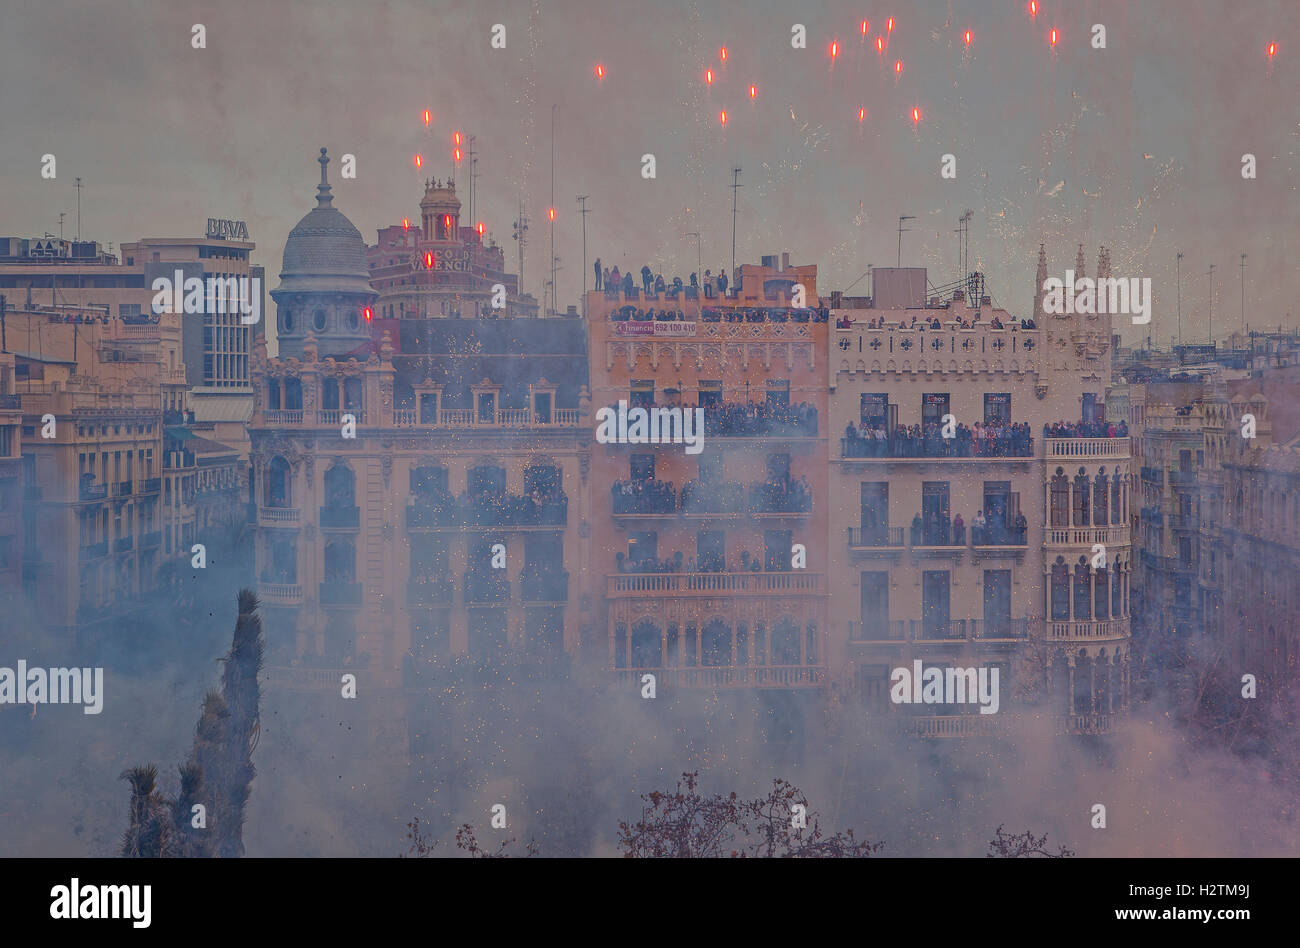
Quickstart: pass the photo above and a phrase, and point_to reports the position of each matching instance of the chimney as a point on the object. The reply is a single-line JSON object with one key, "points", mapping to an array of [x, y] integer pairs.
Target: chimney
{"points": [[785, 261]]}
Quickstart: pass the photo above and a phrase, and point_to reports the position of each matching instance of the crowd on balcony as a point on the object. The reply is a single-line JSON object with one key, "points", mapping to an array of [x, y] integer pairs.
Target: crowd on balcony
{"points": [[935, 529], [985, 440], [743, 561], [935, 322], [750, 419], [653, 496], [1086, 429], [758, 314], [488, 506], [610, 279]]}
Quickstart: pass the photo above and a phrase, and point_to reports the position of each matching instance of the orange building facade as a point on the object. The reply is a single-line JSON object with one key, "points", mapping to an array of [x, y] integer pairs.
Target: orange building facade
{"points": [[708, 559]]}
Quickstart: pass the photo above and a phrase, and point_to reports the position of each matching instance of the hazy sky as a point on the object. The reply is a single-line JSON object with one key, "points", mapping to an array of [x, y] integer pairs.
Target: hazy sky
{"points": [[1137, 146]]}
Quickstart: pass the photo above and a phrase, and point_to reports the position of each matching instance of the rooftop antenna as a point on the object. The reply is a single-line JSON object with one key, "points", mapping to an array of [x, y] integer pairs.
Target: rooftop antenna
{"points": [[902, 230], [1178, 271], [582, 199], [473, 174], [551, 215], [1243, 292], [62, 215], [521, 235], [78, 186], [1211, 304], [735, 191]]}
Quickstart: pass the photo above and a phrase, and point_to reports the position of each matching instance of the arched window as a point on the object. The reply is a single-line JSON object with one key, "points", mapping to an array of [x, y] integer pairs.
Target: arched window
{"points": [[1082, 684], [352, 394], [340, 562], [293, 394], [647, 645], [1103, 683], [1082, 591], [1115, 515], [340, 487], [286, 320], [785, 643], [353, 321], [1081, 499], [1117, 590], [1101, 594], [1100, 496], [318, 320], [273, 394], [1060, 591], [283, 567], [715, 647], [278, 483], [1060, 499]]}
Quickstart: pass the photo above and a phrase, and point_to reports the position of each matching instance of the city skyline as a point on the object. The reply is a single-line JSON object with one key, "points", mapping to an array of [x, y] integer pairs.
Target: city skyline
{"points": [[1077, 161]]}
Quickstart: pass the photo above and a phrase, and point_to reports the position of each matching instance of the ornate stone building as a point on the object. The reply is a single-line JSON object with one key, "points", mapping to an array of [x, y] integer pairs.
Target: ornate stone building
{"points": [[979, 549], [419, 491]]}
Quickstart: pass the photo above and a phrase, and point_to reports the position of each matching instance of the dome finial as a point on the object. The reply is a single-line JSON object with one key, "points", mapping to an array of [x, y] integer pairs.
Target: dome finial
{"points": [[323, 196]]}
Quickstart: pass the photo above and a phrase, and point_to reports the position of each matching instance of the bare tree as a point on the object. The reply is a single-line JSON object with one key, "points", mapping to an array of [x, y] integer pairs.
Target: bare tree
{"points": [[1023, 845], [684, 823]]}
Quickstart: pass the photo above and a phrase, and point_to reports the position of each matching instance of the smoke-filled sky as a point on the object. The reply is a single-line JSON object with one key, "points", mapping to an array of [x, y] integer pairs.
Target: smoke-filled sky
{"points": [[1138, 145]]}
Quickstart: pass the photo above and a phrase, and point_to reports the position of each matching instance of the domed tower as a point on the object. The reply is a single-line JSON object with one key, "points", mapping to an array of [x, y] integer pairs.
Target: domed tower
{"points": [[324, 282], [440, 211]]}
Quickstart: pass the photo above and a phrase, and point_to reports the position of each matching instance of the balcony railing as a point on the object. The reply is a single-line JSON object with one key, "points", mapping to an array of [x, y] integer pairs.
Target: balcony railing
{"points": [[334, 416], [430, 591], [95, 492], [545, 586], [340, 518], [1182, 478], [1084, 448], [932, 449], [939, 726], [1185, 521], [283, 416], [1115, 535], [1153, 475], [875, 538], [432, 513], [10, 402], [1086, 723], [124, 488], [729, 676], [335, 593], [633, 585], [151, 485], [1084, 629], [151, 540], [279, 516], [938, 630], [94, 551], [283, 594], [123, 544], [486, 586], [769, 499]]}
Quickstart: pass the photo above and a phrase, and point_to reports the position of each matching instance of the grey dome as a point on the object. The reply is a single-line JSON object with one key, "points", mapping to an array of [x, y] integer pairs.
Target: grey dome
{"points": [[325, 252]]}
